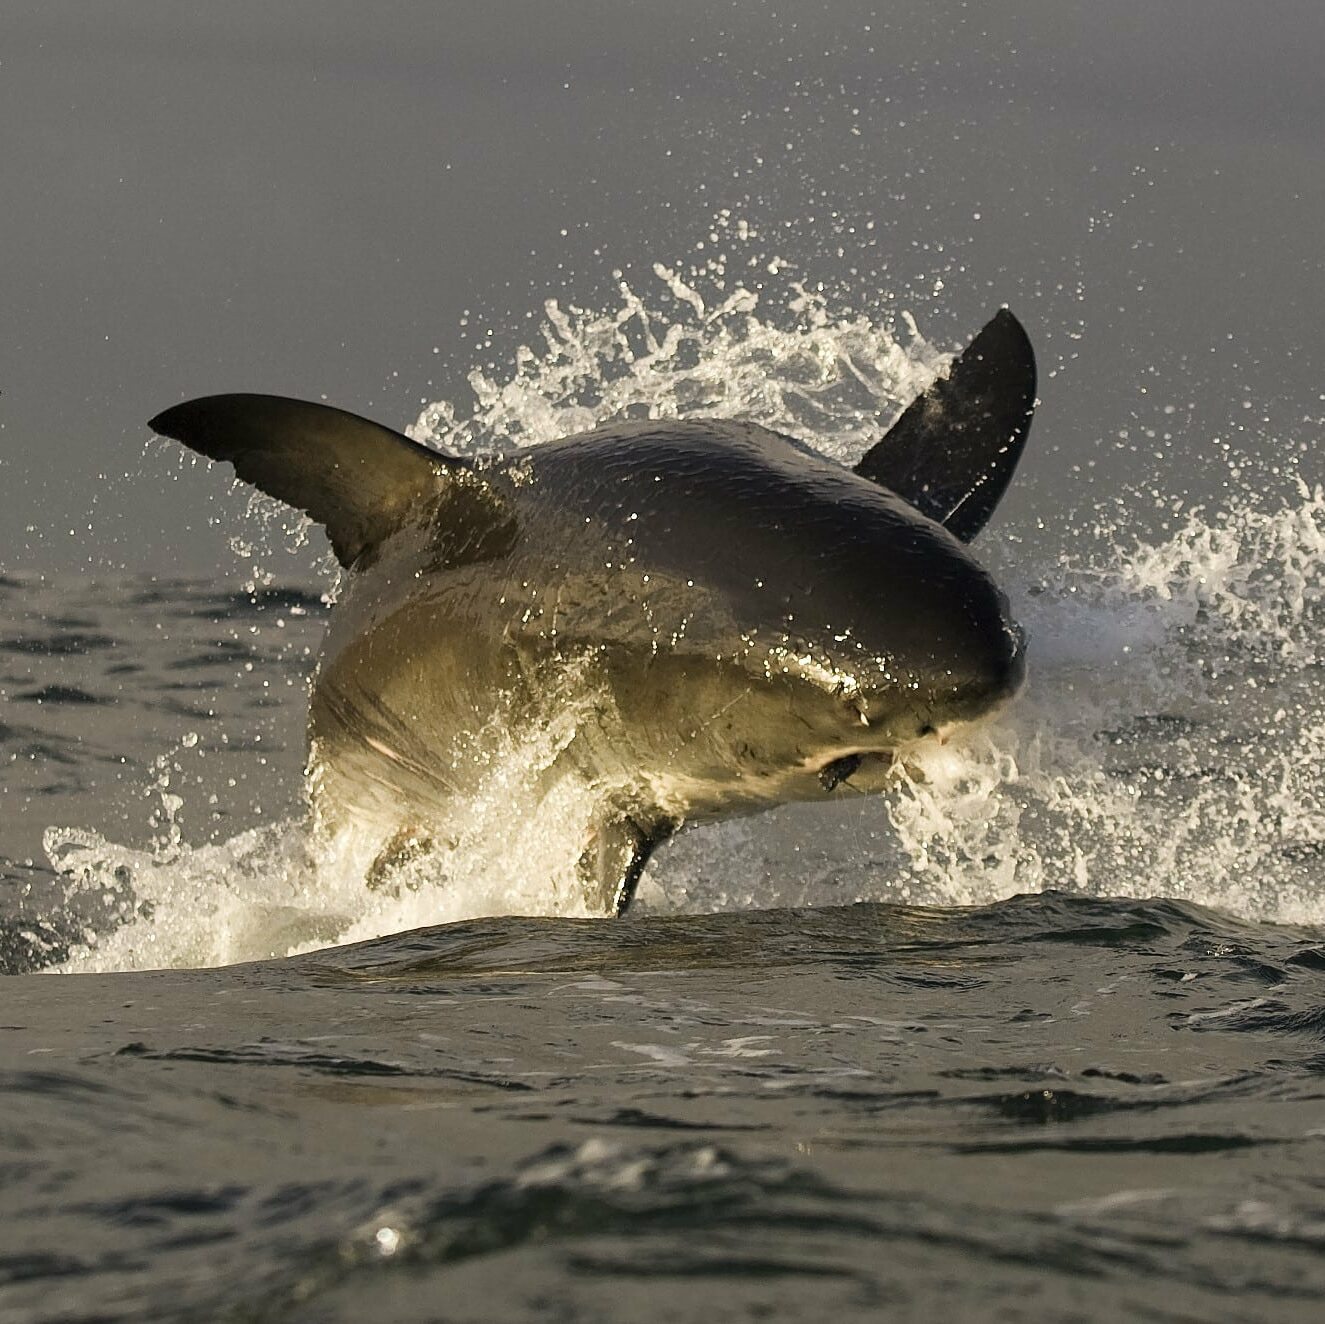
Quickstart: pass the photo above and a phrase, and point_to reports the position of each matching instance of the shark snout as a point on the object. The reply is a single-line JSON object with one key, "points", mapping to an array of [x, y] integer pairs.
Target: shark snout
{"points": [[995, 675]]}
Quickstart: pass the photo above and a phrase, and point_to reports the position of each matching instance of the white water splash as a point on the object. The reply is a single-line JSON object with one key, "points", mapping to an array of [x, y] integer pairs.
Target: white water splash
{"points": [[795, 366], [1171, 739]]}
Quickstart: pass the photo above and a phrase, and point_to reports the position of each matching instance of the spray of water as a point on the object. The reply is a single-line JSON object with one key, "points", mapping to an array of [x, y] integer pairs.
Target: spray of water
{"points": [[1171, 739]]}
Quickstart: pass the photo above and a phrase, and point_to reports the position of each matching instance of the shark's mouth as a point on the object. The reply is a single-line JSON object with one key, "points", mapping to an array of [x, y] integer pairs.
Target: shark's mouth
{"points": [[873, 764], [833, 774], [864, 772]]}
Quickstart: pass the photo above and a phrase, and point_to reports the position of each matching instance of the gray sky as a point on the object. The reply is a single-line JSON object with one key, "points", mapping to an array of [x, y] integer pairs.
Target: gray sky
{"points": [[304, 197]]}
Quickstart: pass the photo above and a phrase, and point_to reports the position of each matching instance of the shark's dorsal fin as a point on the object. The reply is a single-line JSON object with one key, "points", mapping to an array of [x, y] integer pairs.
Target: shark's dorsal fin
{"points": [[360, 480], [952, 452]]}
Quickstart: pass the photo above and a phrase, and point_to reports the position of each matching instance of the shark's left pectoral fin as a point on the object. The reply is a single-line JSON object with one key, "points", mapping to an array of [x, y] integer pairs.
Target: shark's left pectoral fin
{"points": [[361, 481], [952, 452]]}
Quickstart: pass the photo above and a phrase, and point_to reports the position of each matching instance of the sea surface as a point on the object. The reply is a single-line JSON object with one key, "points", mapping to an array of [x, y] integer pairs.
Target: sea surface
{"points": [[1041, 1034]]}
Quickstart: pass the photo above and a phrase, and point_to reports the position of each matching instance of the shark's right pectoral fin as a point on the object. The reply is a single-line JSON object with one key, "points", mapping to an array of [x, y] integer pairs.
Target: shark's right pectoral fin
{"points": [[360, 480]]}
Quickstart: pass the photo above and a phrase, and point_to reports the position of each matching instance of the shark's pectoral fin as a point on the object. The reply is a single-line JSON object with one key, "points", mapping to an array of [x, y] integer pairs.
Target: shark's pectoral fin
{"points": [[614, 861], [359, 480], [952, 452]]}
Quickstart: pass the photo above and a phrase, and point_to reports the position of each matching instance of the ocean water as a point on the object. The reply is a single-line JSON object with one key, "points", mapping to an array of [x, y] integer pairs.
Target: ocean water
{"points": [[1036, 1034]]}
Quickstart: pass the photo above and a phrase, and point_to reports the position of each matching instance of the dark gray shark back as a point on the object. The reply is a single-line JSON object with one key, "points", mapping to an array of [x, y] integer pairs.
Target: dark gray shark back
{"points": [[797, 546]]}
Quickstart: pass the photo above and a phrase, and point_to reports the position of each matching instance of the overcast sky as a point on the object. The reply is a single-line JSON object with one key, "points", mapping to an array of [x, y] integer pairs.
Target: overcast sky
{"points": [[304, 198]]}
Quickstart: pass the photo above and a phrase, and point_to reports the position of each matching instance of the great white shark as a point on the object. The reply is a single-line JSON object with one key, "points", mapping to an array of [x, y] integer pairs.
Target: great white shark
{"points": [[739, 621]]}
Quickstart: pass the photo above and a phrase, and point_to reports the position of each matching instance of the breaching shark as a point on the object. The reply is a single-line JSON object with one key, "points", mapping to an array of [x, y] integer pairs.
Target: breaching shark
{"points": [[740, 621]]}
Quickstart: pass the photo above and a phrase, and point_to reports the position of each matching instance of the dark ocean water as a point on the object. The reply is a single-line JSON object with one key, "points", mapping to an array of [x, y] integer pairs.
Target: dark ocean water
{"points": [[1052, 1107]]}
